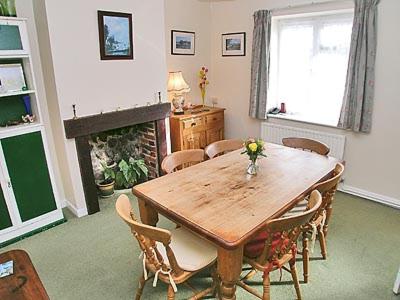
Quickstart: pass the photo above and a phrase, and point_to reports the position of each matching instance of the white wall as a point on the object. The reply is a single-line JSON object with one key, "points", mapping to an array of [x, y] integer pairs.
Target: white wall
{"points": [[25, 9], [81, 78], [190, 15], [372, 161]]}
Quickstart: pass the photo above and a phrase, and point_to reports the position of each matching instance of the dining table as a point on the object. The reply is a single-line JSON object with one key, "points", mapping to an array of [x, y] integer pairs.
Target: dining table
{"points": [[217, 199]]}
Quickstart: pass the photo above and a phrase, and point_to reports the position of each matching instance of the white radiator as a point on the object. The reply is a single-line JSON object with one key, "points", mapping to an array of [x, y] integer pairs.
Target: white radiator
{"points": [[274, 133]]}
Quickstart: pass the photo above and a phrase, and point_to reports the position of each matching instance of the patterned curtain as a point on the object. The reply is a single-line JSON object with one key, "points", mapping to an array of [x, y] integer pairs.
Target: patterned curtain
{"points": [[260, 63], [356, 113]]}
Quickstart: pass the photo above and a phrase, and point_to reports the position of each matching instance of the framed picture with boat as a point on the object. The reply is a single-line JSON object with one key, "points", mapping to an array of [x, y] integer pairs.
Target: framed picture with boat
{"points": [[115, 35]]}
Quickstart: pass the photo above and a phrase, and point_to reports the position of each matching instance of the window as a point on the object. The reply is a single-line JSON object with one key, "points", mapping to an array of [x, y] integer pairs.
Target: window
{"points": [[309, 57]]}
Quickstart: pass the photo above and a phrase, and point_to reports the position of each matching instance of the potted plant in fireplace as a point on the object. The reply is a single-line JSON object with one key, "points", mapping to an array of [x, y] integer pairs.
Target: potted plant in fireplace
{"points": [[130, 172], [106, 186]]}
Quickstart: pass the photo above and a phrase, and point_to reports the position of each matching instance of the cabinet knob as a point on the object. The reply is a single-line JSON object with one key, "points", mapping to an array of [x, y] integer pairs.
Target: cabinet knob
{"points": [[193, 124]]}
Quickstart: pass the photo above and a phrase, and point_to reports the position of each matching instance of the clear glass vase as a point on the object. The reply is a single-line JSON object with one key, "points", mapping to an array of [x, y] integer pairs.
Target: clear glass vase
{"points": [[253, 167]]}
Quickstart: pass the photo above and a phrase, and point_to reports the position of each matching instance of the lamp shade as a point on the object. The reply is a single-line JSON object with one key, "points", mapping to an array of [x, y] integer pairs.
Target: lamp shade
{"points": [[176, 83]]}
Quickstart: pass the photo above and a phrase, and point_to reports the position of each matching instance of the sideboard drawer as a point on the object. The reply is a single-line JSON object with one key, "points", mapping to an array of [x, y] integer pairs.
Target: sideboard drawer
{"points": [[193, 125], [214, 119]]}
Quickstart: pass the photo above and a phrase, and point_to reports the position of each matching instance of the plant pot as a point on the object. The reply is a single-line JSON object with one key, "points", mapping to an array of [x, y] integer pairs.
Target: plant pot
{"points": [[106, 189]]}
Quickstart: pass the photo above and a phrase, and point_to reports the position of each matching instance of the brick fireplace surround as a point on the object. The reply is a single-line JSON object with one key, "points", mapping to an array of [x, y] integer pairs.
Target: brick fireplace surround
{"points": [[154, 135]]}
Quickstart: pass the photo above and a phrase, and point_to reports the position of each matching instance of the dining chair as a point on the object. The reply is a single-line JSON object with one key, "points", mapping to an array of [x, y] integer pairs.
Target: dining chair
{"points": [[170, 256], [276, 246], [318, 225], [306, 144], [222, 147], [181, 159]]}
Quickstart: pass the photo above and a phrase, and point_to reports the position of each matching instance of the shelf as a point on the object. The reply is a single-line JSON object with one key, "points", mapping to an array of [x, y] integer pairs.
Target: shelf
{"points": [[13, 56], [17, 93], [19, 129]]}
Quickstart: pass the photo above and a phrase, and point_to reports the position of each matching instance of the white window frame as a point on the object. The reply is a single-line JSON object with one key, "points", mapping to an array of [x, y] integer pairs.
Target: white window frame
{"points": [[277, 21]]}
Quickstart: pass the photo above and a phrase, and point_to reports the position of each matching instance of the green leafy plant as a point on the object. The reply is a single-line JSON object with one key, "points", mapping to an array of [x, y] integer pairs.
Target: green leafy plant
{"points": [[130, 172], [108, 173]]}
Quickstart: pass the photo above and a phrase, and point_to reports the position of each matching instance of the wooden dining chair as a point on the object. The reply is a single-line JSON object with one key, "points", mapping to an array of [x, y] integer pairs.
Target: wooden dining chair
{"points": [[276, 246], [306, 144], [169, 256], [222, 147], [182, 159], [318, 225]]}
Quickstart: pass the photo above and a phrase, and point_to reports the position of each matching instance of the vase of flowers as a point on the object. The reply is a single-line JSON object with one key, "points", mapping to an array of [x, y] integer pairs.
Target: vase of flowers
{"points": [[254, 149], [203, 83]]}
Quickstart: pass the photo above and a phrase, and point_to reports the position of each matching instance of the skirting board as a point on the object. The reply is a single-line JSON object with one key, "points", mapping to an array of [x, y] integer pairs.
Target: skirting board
{"points": [[81, 212], [389, 201]]}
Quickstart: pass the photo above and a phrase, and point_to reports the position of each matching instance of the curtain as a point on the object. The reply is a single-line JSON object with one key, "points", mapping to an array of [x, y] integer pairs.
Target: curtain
{"points": [[260, 63], [356, 112]]}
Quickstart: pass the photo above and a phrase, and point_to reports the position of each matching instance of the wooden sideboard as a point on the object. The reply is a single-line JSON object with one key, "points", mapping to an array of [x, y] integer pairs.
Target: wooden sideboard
{"points": [[197, 130]]}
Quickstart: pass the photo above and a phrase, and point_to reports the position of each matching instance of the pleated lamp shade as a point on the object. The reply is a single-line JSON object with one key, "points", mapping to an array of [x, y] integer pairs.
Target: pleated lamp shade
{"points": [[176, 83]]}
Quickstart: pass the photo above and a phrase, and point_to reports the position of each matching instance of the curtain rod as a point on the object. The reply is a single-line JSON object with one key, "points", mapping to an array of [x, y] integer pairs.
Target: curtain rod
{"points": [[310, 4]]}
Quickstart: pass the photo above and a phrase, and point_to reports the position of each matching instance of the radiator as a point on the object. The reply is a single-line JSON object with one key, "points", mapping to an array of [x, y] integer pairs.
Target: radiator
{"points": [[274, 133]]}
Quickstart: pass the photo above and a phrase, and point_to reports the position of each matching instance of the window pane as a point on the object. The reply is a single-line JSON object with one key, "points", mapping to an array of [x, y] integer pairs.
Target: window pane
{"points": [[311, 66], [295, 58]]}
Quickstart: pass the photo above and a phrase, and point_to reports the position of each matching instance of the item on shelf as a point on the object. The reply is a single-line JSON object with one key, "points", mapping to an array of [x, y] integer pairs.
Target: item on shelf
{"points": [[27, 104], [12, 77], [2, 88], [202, 85], [283, 108], [178, 86], [7, 8], [6, 269], [28, 118]]}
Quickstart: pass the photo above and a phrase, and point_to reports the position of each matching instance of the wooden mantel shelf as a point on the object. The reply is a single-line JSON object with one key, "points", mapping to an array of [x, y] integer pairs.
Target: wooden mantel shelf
{"points": [[117, 119]]}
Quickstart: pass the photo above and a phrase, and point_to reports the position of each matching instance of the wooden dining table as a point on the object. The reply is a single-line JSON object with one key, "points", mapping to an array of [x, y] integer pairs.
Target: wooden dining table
{"points": [[220, 202]]}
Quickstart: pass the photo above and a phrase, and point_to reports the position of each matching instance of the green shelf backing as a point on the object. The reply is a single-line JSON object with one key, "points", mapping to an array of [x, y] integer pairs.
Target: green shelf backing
{"points": [[10, 37], [5, 220], [11, 109], [29, 174]]}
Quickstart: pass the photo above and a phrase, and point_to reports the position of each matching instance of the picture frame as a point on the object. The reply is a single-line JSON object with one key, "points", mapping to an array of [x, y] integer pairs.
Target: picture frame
{"points": [[183, 42], [115, 35], [234, 44], [12, 78]]}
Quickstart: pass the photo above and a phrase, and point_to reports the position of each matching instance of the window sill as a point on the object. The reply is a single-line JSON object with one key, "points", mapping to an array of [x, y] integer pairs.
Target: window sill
{"points": [[299, 118]]}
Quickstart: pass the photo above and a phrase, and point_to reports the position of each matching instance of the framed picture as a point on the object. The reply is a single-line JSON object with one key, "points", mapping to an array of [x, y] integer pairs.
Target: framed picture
{"points": [[115, 35], [12, 78], [234, 44], [182, 42]]}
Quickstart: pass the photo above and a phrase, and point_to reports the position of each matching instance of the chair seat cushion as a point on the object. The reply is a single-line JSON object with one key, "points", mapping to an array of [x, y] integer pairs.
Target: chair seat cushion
{"points": [[191, 252], [298, 209], [255, 247]]}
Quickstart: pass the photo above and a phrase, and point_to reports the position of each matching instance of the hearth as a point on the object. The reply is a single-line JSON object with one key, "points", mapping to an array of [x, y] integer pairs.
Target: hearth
{"points": [[149, 127]]}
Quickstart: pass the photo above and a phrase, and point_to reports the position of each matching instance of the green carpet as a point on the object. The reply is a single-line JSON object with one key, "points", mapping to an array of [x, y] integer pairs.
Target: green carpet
{"points": [[95, 257]]}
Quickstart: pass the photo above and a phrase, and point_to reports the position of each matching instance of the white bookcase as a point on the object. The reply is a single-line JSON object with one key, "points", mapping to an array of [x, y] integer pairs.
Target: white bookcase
{"points": [[28, 196]]}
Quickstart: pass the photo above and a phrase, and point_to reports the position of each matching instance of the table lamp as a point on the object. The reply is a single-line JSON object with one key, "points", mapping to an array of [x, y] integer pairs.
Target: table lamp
{"points": [[177, 86]]}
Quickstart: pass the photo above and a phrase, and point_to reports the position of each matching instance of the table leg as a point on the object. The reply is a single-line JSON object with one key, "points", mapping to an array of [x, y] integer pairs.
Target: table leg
{"points": [[229, 269], [148, 215]]}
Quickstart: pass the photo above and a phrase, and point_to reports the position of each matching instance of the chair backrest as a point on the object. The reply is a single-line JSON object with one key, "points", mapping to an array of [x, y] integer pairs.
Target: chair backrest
{"points": [[306, 144], [284, 232], [222, 147], [147, 236], [182, 159], [328, 187]]}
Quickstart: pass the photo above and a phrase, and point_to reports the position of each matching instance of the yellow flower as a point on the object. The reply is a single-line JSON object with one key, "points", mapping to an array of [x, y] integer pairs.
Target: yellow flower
{"points": [[253, 147]]}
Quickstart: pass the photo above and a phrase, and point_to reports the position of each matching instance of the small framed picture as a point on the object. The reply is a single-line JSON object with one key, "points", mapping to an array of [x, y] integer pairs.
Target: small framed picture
{"points": [[182, 42], [115, 35], [234, 44], [12, 78]]}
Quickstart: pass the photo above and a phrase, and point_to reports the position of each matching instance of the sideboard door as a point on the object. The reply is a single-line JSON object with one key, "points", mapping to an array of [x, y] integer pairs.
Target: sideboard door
{"points": [[29, 175], [5, 220]]}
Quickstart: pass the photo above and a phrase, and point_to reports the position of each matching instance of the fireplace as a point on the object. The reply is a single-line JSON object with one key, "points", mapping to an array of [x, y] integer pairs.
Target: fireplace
{"points": [[152, 141]]}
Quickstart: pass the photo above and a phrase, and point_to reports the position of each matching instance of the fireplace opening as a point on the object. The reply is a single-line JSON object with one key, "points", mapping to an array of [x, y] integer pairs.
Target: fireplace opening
{"points": [[124, 157], [143, 128]]}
